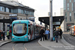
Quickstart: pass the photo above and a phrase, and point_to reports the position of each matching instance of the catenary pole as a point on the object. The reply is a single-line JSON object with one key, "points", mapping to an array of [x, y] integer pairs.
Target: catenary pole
{"points": [[51, 22]]}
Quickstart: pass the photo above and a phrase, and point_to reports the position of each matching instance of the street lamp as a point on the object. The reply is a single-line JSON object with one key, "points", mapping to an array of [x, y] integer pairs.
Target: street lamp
{"points": [[51, 22]]}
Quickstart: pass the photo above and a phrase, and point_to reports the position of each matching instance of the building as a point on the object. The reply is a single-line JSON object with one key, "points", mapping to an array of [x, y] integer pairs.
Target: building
{"points": [[13, 9], [61, 12], [69, 13]]}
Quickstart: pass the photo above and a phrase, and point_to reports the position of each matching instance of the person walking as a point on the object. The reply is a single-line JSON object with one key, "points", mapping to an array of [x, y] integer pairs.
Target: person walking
{"points": [[42, 34], [0, 35], [56, 35], [60, 33], [47, 34], [3, 35], [8, 34]]}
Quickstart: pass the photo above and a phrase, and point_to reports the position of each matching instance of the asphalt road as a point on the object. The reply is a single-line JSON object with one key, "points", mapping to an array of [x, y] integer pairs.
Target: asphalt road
{"points": [[32, 45], [70, 39]]}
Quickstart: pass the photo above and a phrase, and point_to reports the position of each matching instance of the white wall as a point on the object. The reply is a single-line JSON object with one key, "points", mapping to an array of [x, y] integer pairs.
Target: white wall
{"points": [[62, 26]]}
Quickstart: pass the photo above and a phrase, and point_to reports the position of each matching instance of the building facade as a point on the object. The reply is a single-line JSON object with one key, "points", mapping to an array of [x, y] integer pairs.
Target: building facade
{"points": [[61, 12], [69, 14], [12, 9]]}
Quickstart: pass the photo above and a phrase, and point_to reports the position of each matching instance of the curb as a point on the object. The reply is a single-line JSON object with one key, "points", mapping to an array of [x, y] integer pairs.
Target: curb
{"points": [[3, 43], [45, 46]]}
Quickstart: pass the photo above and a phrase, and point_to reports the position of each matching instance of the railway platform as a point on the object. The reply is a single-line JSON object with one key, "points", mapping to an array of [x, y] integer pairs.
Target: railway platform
{"points": [[61, 45], [2, 42]]}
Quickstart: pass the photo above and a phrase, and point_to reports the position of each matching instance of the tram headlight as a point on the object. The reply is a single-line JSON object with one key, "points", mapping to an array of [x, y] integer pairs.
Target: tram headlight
{"points": [[12, 36], [25, 36]]}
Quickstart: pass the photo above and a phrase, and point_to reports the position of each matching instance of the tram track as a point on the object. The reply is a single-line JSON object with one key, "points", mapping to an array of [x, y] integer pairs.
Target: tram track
{"points": [[18, 44], [32, 45]]}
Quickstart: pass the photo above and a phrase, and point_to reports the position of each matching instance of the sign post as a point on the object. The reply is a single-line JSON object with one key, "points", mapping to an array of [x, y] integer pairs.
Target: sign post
{"points": [[51, 22]]}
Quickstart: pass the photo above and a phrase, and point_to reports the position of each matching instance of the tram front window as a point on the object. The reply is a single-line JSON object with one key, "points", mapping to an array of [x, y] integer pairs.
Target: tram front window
{"points": [[19, 29]]}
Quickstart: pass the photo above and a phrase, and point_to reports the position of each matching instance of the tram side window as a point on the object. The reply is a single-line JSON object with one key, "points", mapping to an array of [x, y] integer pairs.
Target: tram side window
{"points": [[36, 30], [29, 31]]}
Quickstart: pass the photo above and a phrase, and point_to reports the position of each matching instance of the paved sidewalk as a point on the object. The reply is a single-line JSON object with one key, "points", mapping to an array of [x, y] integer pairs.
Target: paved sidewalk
{"points": [[4, 41], [52, 45]]}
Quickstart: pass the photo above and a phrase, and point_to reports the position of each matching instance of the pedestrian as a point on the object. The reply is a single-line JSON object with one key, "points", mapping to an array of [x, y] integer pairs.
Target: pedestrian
{"points": [[0, 35], [8, 34], [42, 34], [56, 35], [3, 35], [47, 34], [60, 33]]}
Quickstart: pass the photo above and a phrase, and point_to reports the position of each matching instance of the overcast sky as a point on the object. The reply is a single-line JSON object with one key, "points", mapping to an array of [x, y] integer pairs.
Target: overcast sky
{"points": [[42, 6]]}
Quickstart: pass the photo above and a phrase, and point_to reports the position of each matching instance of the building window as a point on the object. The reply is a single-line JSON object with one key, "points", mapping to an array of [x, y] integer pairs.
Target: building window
{"points": [[19, 10], [31, 13], [70, 0], [12, 11], [67, 9], [70, 13], [2, 8], [64, 4], [24, 11], [72, 6], [7, 9], [65, 16], [74, 15], [68, 6], [74, 0], [66, 19], [70, 18], [15, 10]]}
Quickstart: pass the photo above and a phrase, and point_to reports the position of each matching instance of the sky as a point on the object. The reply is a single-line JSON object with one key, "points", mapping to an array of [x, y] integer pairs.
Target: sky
{"points": [[42, 7]]}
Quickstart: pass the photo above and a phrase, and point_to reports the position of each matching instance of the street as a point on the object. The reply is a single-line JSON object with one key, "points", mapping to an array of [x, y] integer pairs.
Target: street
{"points": [[70, 39], [32, 45]]}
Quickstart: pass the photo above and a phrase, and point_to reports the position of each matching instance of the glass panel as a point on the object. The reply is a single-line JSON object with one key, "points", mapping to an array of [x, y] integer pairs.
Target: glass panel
{"points": [[7, 9], [19, 10], [66, 19], [74, 0], [15, 11], [22, 11], [70, 13], [74, 15], [1, 8], [70, 0], [19, 28], [64, 4], [72, 6], [12, 11], [67, 9], [70, 18], [67, 4]]}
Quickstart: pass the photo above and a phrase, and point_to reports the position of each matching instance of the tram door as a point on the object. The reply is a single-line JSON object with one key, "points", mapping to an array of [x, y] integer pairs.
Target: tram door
{"points": [[29, 32]]}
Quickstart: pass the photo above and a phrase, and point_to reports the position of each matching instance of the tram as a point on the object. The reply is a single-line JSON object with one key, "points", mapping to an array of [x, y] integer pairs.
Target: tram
{"points": [[25, 30], [72, 30]]}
